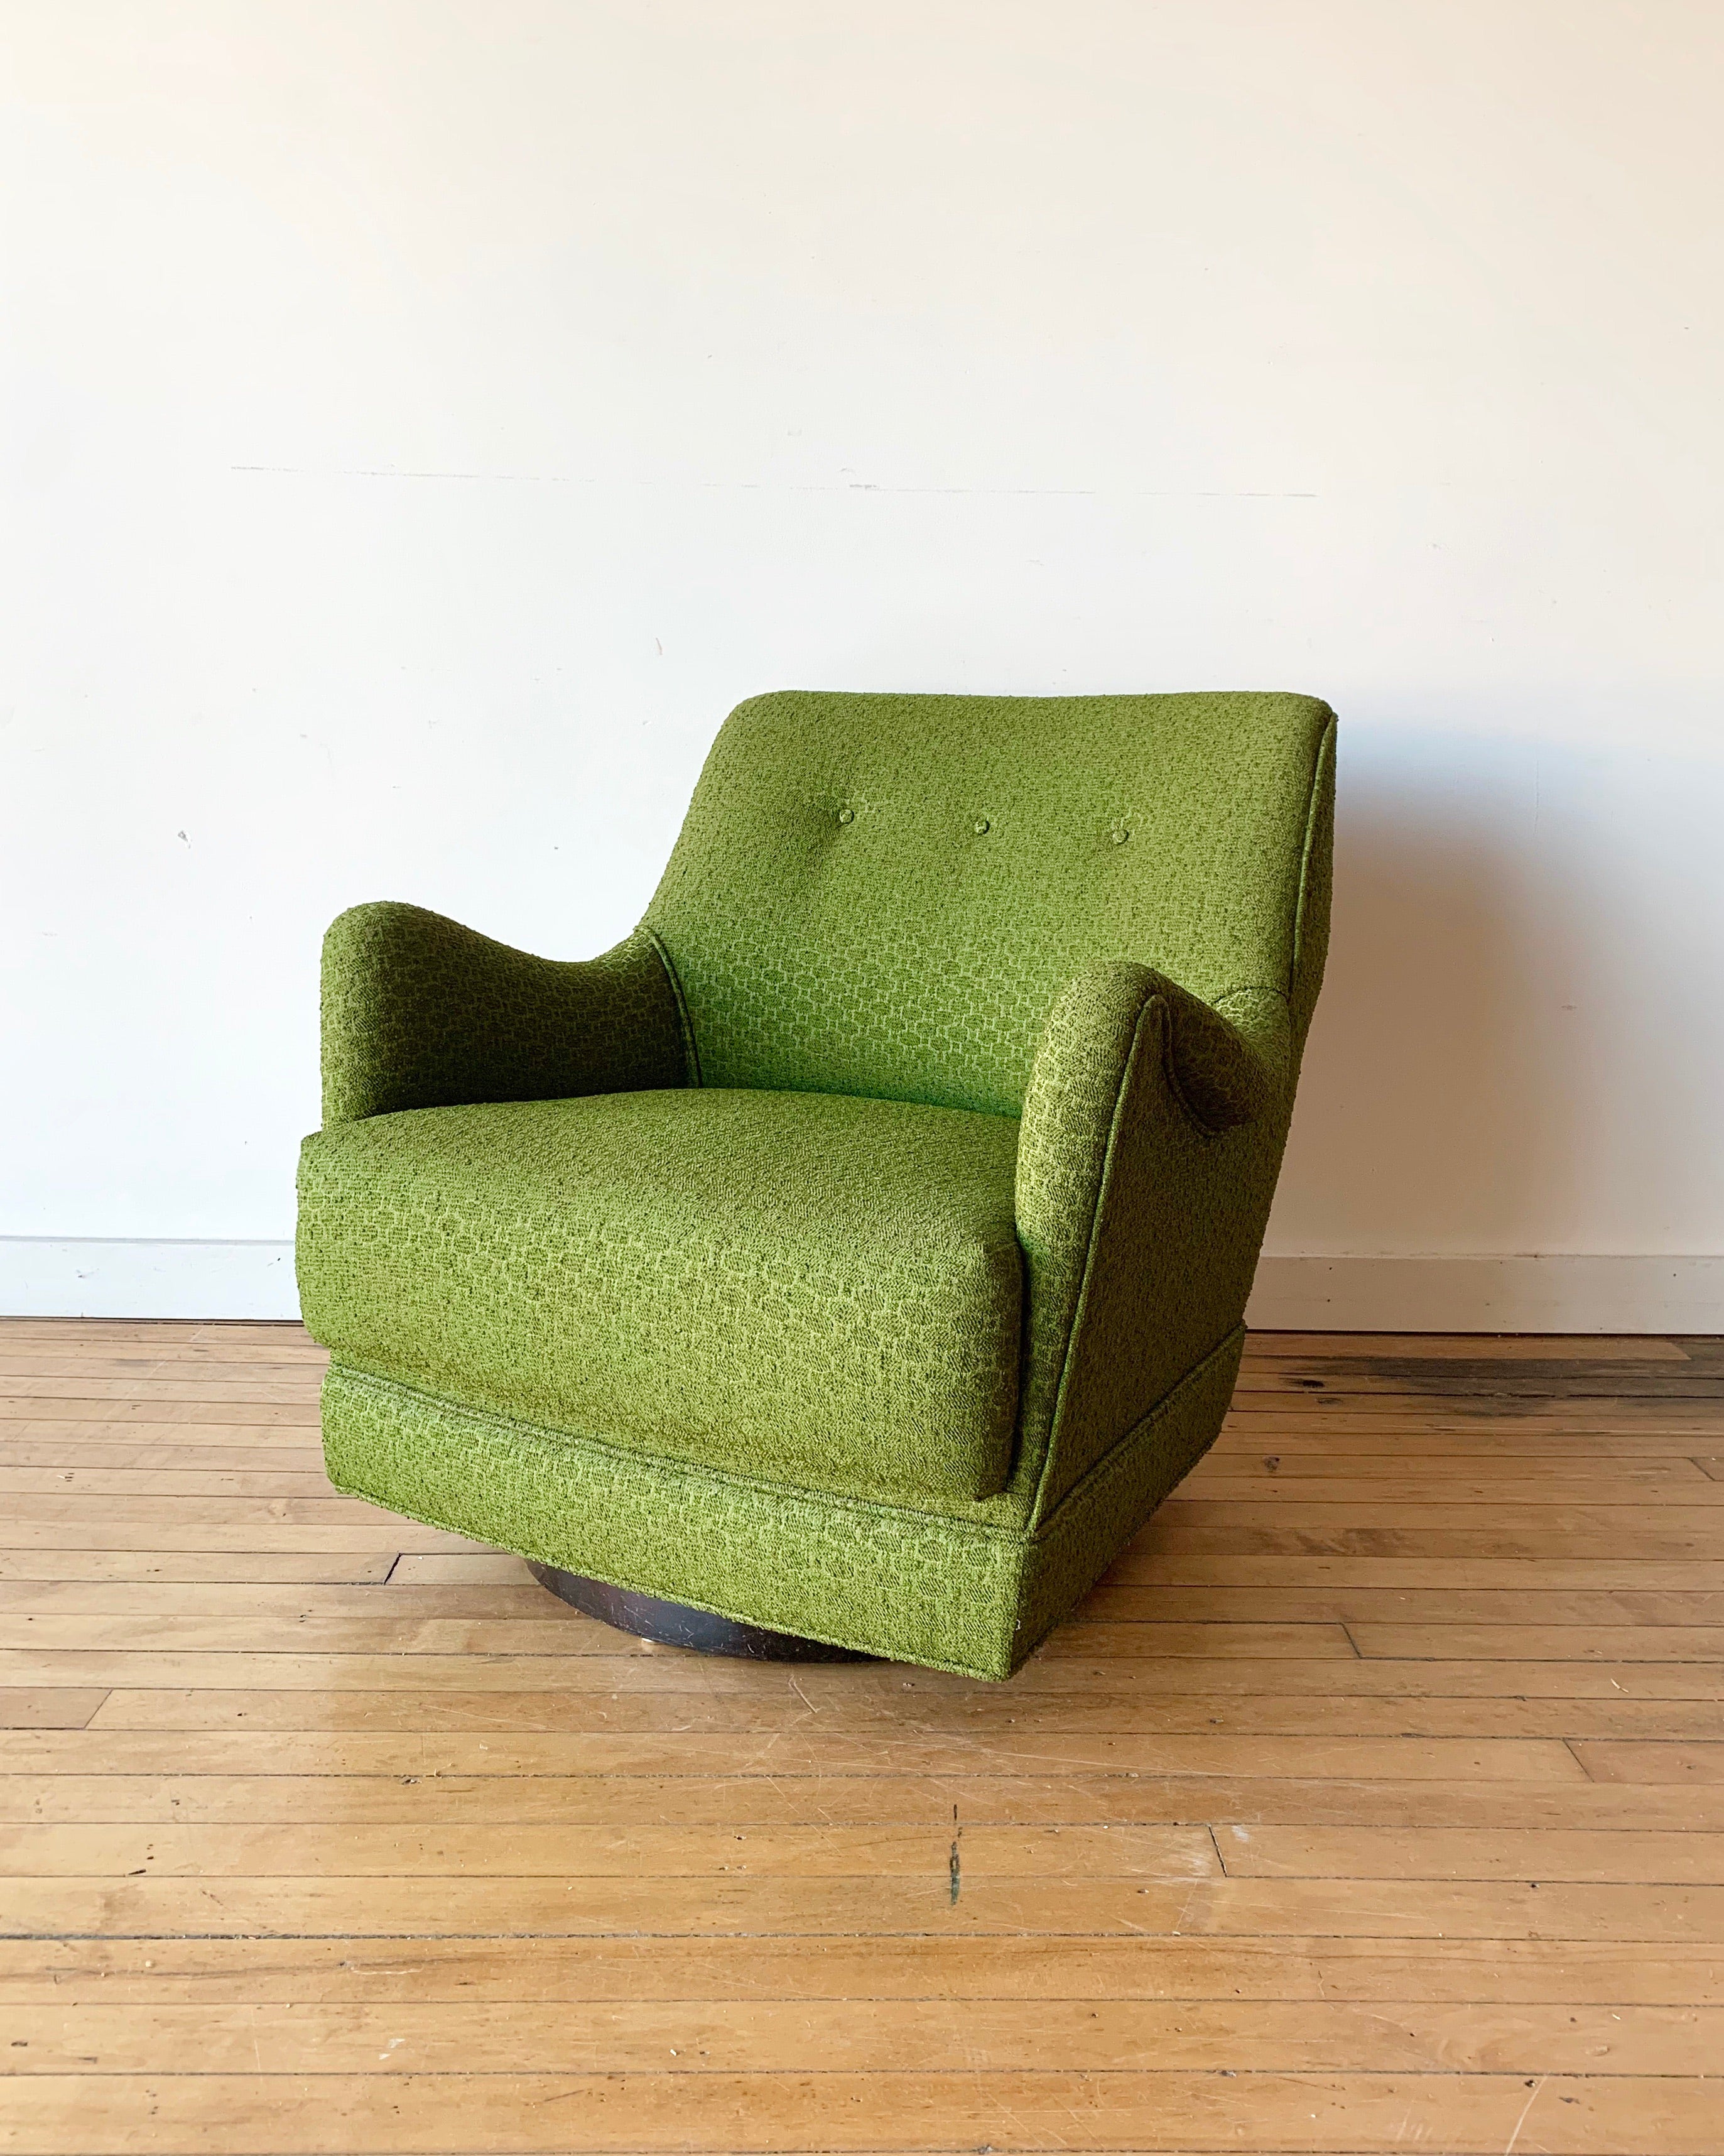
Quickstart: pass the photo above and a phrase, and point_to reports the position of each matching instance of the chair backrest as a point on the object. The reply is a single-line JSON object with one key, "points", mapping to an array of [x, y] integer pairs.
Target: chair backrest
{"points": [[883, 893]]}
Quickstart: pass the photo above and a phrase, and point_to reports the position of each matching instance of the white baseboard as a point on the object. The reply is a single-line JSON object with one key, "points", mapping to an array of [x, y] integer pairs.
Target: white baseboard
{"points": [[82, 1276], [44, 1277], [1532, 1294]]}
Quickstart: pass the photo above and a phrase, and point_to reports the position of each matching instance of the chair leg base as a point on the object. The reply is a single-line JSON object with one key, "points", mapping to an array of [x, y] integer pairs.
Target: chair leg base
{"points": [[670, 1624]]}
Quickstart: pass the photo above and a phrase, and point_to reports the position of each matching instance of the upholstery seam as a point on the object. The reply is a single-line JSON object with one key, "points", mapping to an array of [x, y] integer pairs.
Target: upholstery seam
{"points": [[1092, 1495], [686, 1471], [691, 1050], [1083, 1294], [1098, 1472], [1325, 750], [1170, 1071]]}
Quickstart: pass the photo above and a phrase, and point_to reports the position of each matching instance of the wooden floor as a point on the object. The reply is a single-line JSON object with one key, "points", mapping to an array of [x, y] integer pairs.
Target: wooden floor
{"points": [[1375, 1801]]}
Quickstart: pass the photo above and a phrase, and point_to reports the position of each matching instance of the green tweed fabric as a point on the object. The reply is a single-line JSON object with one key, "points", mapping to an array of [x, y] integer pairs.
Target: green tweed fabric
{"points": [[884, 895], [421, 1013], [1141, 1100], [915, 1154], [970, 1594], [820, 1289]]}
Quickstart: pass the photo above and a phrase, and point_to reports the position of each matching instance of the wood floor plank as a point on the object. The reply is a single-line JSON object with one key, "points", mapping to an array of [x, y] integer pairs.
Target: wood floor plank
{"points": [[852, 2036], [937, 1967], [1171, 2112], [1452, 1487], [1390, 1529], [240, 1389], [1125, 1603], [85, 1567], [123, 1366], [674, 1706], [1544, 1643], [620, 1851], [573, 1905], [1458, 1465], [415, 1570], [1572, 1854], [1381, 1455], [1503, 1382], [1311, 1349], [38, 1707], [299, 1452], [1149, 1566], [628, 1850], [1440, 1666], [170, 1516], [578, 1803], [1313, 1583], [1607, 1761], [808, 1751], [286, 1480], [520, 1600], [1311, 1412], [99, 1529], [35, 1410], [65, 1440]]}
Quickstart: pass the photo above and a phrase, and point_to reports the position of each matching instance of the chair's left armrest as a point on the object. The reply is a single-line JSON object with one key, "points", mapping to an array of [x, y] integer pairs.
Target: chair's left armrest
{"points": [[419, 1012]]}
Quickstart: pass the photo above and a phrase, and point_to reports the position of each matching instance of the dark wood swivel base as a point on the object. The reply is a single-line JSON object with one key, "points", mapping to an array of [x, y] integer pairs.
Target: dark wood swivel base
{"points": [[669, 1625]]}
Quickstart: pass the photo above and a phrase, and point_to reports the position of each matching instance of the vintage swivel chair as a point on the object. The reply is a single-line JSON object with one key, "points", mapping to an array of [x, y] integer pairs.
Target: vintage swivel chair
{"points": [[858, 1251]]}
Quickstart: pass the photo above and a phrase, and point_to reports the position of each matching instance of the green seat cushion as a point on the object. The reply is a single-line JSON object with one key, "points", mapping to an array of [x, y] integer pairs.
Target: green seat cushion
{"points": [[815, 1289]]}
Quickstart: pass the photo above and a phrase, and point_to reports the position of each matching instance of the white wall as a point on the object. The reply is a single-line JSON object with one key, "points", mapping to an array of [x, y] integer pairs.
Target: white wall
{"points": [[423, 421]]}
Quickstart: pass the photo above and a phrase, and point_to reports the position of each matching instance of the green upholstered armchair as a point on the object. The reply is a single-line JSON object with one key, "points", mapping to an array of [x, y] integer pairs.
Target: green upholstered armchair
{"points": [[859, 1250]]}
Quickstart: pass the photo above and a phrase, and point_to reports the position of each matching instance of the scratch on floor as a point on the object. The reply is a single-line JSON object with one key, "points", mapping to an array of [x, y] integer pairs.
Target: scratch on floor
{"points": [[1509, 2145]]}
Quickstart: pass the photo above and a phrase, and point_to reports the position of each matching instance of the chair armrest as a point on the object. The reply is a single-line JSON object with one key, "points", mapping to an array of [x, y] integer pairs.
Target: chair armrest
{"points": [[1151, 1126], [421, 1013]]}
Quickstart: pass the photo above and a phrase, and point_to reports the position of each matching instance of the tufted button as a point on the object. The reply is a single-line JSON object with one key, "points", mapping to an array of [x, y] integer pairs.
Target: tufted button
{"points": [[982, 826], [846, 815], [1119, 835]]}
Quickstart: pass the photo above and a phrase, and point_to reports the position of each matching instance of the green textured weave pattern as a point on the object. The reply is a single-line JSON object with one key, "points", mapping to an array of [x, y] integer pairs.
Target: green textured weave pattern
{"points": [[884, 895], [1079, 1538], [1179, 1219], [910, 1585], [712, 1266], [421, 1013], [1069, 1114], [1122, 1042], [824, 1291]]}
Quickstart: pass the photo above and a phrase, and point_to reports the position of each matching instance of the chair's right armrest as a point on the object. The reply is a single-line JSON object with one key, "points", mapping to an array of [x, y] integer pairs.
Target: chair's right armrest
{"points": [[1146, 1124], [419, 1012]]}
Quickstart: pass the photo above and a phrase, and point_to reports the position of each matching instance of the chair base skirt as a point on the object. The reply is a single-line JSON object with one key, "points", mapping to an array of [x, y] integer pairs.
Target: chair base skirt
{"points": [[974, 1596], [671, 1625]]}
